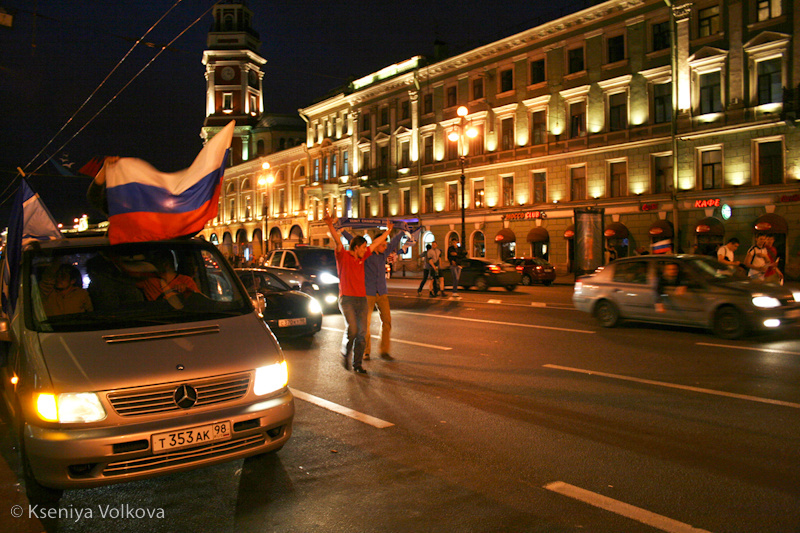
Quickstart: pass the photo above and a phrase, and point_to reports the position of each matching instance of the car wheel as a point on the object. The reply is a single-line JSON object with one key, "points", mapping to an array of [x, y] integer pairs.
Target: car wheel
{"points": [[729, 323], [606, 313], [510, 288], [526, 280], [481, 283]]}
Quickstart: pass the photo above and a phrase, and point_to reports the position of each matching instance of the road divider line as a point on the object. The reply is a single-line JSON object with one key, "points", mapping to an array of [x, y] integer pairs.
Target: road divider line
{"points": [[621, 508], [676, 386], [342, 410], [400, 341], [531, 326], [752, 348]]}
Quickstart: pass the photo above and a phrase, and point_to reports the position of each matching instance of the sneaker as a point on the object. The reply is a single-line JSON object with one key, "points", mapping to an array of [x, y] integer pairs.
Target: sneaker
{"points": [[359, 370], [386, 357], [366, 357]]}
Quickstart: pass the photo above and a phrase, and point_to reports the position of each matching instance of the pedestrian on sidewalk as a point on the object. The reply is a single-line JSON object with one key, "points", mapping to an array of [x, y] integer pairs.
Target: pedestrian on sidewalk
{"points": [[434, 256], [378, 293], [454, 256], [426, 269], [353, 293]]}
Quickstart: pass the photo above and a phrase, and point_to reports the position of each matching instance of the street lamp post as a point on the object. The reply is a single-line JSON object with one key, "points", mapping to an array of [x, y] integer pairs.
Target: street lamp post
{"points": [[266, 180], [463, 131]]}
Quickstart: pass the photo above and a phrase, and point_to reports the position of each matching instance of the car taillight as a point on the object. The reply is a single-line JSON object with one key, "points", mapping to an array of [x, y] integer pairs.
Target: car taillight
{"points": [[538, 267], [495, 269], [519, 268]]}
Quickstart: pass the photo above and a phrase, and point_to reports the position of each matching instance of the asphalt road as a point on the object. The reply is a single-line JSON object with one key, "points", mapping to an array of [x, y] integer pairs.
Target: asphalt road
{"points": [[502, 412]]}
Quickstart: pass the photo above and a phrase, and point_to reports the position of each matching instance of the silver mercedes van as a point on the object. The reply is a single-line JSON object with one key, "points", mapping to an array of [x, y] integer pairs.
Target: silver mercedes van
{"points": [[131, 361]]}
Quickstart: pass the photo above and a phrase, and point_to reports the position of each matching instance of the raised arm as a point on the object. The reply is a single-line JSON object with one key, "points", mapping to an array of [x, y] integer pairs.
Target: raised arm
{"points": [[382, 237], [337, 237]]}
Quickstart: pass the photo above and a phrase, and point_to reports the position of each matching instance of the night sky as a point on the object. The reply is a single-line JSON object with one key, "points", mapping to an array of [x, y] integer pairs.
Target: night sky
{"points": [[51, 63]]}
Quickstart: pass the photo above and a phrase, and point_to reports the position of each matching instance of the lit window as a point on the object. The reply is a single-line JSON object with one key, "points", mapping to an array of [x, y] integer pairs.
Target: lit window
{"points": [[708, 21], [578, 183], [710, 93], [711, 169], [768, 9], [769, 85], [662, 103]]}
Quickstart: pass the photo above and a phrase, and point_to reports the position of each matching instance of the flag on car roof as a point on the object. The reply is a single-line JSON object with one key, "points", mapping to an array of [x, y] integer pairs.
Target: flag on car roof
{"points": [[29, 221], [663, 246], [145, 204]]}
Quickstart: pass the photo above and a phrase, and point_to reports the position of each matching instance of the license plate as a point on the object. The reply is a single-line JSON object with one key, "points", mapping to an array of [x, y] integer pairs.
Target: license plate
{"points": [[173, 440], [286, 322]]}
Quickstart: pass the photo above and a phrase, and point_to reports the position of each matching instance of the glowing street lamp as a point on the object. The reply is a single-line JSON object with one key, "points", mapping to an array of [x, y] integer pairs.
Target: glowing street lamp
{"points": [[463, 131]]}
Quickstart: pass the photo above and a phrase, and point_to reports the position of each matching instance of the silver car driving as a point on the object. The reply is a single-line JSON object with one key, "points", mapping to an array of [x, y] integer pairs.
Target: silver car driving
{"points": [[708, 294]]}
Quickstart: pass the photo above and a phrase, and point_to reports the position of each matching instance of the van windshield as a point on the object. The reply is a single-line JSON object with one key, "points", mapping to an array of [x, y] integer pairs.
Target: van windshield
{"points": [[133, 285]]}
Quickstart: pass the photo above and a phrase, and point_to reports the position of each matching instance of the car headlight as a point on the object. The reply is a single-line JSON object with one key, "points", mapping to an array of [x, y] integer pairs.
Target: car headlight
{"points": [[796, 296], [331, 299], [328, 278], [766, 302], [271, 378], [313, 307], [70, 407]]}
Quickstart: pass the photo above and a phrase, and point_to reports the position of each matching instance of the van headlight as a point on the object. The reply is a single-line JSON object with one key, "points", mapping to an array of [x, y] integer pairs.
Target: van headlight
{"points": [[70, 407], [271, 378], [313, 307], [328, 278], [766, 302]]}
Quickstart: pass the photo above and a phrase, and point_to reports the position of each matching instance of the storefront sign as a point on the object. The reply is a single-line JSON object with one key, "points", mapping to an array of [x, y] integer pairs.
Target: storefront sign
{"points": [[711, 202], [649, 207], [526, 215]]}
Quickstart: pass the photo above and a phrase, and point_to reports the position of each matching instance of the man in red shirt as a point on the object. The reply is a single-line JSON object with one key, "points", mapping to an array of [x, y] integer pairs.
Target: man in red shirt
{"points": [[353, 292]]}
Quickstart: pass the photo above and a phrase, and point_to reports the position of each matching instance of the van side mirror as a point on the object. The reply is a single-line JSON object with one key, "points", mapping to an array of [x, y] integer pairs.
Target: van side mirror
{"points": [[5, 327]]}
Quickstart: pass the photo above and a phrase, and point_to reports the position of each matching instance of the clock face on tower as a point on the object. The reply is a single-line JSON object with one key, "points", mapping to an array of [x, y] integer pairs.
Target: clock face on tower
{"points": [[228, 73]]}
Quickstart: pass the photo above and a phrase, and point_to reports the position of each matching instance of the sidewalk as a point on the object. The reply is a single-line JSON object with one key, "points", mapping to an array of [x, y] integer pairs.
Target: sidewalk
{"points": [[412, 279]]}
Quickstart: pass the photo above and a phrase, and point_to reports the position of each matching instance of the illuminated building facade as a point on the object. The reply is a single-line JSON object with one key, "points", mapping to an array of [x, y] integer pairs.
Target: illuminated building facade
{"points": [[579, 112]]}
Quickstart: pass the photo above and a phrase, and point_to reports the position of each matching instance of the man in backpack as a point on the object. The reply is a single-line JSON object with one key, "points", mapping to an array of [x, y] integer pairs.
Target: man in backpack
{"points": [[757, 259]]}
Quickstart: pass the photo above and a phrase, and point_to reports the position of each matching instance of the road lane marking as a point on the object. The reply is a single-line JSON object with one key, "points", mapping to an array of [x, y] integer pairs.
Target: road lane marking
{"points": [[400, 341], [494, 301], [532, 326], [676, 386], [765, 350], [621, 508], [342, 410], [560, 307]]}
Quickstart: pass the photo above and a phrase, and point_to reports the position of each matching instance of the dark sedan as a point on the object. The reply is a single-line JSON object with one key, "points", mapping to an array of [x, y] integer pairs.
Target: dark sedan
{"points": [[482, 274], [534, 270], [288, 312]]}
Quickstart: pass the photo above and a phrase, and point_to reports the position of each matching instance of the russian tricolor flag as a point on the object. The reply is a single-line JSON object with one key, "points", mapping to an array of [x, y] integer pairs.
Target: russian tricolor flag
{"points": [[663, 246], [145, 204]]}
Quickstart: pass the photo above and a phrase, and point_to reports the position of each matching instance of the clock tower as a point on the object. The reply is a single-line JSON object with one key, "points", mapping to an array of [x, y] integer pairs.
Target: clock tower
{"points": [[233, 76]]}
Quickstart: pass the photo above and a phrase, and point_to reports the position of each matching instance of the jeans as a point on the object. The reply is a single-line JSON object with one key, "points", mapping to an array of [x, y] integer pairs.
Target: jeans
{"points": [[386, 321], [354, 312], [455, 270], [425, 273]]}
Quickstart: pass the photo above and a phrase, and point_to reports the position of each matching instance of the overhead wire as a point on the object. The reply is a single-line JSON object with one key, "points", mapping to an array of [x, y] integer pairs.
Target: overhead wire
{"points": [[114, 97]]}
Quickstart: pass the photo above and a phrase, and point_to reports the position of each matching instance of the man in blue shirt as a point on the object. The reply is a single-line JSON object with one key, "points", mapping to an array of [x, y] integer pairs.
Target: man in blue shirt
{"points": [[377, 292]]}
